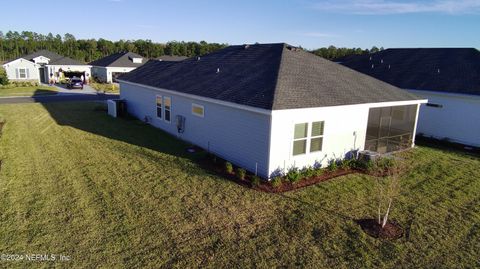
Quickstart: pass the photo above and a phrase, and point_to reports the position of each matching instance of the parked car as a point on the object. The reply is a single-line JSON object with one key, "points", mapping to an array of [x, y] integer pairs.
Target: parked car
{"points": [[75, 83]]}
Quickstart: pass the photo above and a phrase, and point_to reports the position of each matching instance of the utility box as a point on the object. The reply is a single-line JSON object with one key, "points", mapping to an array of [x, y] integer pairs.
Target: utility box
{"points": [[117, 107], [367, 155]]}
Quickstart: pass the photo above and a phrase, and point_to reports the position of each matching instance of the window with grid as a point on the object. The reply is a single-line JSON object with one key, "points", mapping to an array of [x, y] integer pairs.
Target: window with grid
{"points": [[300, 139], [167, 102], [316, 136], [159, 106], [22, 73]]}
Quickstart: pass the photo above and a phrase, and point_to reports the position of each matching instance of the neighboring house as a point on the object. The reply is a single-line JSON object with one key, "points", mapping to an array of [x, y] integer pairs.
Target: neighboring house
{"points": [[172, 58], [108, 68], [268, 107], [448, 77], [45, 66]]}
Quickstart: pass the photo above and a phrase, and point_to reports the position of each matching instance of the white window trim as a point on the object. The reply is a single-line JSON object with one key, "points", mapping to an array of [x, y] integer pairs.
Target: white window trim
{"points": [[308, 138], [156, 107], [165, 109], [20, 76], [299, 139], [199, 106]]}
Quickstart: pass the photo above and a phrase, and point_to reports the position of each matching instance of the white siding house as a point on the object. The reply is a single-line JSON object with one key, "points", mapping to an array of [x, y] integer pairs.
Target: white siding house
{"points": [[448, 77], [450, 115], [45, 66], [22, 70], [266, 117], [108, 68]]}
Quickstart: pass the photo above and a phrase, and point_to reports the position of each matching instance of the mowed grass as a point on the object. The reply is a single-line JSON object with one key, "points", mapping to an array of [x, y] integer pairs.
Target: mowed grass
{"points": [[28, 91], [117, 193]]}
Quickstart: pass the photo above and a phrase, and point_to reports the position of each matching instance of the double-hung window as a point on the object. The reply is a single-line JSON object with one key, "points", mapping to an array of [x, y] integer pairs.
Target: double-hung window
{"points": [[308, 136], [159, 106], [22, 73], [316, 138], [167, 102], [300, 138]]}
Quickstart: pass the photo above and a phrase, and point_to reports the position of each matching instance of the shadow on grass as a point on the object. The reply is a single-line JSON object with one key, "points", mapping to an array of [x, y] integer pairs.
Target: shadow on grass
{"points": [[92, 117]]}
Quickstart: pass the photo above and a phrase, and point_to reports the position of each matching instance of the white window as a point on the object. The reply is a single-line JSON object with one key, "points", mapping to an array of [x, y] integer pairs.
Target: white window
{"points": [[300, 138], [167, 103], [198, 110], [159, 106], [316, 136], [22, 73], [308, 136]]}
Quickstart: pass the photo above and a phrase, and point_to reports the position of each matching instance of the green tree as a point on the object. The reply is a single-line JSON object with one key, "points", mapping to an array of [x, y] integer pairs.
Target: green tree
{"points": [[3, 76]]}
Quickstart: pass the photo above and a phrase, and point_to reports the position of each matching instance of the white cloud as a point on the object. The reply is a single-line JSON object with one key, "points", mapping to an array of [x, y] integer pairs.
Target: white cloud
{"points": [[383, 7]]}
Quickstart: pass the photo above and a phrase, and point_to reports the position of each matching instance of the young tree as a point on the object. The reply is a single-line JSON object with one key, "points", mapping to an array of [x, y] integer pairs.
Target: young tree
{"points": [[388, 189]]}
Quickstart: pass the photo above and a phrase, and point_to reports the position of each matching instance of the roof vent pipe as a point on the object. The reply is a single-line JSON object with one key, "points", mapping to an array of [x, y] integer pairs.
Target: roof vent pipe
{"points": [[438, 70], [373, 66], [388, 66], [381, 61], [218, 70], [198, 58], [247, 46]]}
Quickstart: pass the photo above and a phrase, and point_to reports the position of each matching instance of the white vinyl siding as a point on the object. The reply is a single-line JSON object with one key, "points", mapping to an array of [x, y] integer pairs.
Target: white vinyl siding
{"points": [[198, 110]]}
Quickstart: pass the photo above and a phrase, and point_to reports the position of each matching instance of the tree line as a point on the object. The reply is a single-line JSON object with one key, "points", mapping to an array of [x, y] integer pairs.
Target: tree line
{"points": [[14, 44]]}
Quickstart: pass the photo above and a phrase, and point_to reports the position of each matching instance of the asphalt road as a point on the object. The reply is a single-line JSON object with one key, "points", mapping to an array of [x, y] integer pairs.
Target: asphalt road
{"points": [[59, 98]]}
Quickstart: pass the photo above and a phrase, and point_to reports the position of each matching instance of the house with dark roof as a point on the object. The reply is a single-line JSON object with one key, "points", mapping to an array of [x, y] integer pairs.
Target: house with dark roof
{"points": [[108, 68], [45, 66], [448, 77], [270, 107]]}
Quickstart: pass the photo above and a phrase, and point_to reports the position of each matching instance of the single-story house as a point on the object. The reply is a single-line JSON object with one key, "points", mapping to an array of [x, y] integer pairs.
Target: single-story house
{"points": [[45, 66], [171, 58], [108, 68], [448, 77], [268, 107]]}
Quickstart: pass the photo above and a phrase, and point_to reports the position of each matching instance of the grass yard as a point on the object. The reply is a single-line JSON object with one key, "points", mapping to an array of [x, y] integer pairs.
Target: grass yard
{"points": [[116, 193], [28, 91]]}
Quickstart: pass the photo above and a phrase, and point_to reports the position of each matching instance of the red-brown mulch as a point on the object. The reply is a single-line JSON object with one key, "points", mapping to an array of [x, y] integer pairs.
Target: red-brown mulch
{"points": [[266, 186], [392, 229], [289, 186]]}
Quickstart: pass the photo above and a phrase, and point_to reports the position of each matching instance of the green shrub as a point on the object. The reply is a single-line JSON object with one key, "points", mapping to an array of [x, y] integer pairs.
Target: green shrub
{"points": [[332, 165], [255, 180], [293, 175], [3, 76], [307, 172], [228, 167], [319, 171], [276, 182], [345, 164], [240, 173]]}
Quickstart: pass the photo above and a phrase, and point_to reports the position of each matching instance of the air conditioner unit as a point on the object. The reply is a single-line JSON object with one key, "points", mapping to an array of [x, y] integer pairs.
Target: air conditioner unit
{"points": [[117, 107], [368, 155]]}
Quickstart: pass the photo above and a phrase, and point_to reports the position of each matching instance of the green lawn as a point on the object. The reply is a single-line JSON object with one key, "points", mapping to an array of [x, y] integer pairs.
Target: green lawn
{"points": [[116, 193], [28, 91]]}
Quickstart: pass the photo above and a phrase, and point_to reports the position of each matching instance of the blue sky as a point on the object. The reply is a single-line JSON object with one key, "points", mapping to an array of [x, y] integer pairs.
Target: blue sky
{"points": [[309, 23]]}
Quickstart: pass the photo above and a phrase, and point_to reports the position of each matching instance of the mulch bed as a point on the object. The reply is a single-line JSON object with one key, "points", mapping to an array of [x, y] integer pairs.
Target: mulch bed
{"points": [[392, 229], [289, 186], [265, 186]]}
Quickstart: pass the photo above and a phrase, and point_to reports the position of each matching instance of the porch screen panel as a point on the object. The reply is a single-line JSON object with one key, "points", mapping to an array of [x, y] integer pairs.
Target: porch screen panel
{"points": [[390, 128]]}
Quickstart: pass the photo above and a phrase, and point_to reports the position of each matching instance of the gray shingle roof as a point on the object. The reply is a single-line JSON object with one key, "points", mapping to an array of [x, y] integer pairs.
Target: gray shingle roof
{"points": [[55, 59], [172, 58], [119, 59], [455, 70], [268, 76]]}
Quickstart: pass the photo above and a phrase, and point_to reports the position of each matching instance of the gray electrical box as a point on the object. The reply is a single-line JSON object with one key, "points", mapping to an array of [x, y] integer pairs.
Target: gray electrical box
{"points": [[180, 120]]}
